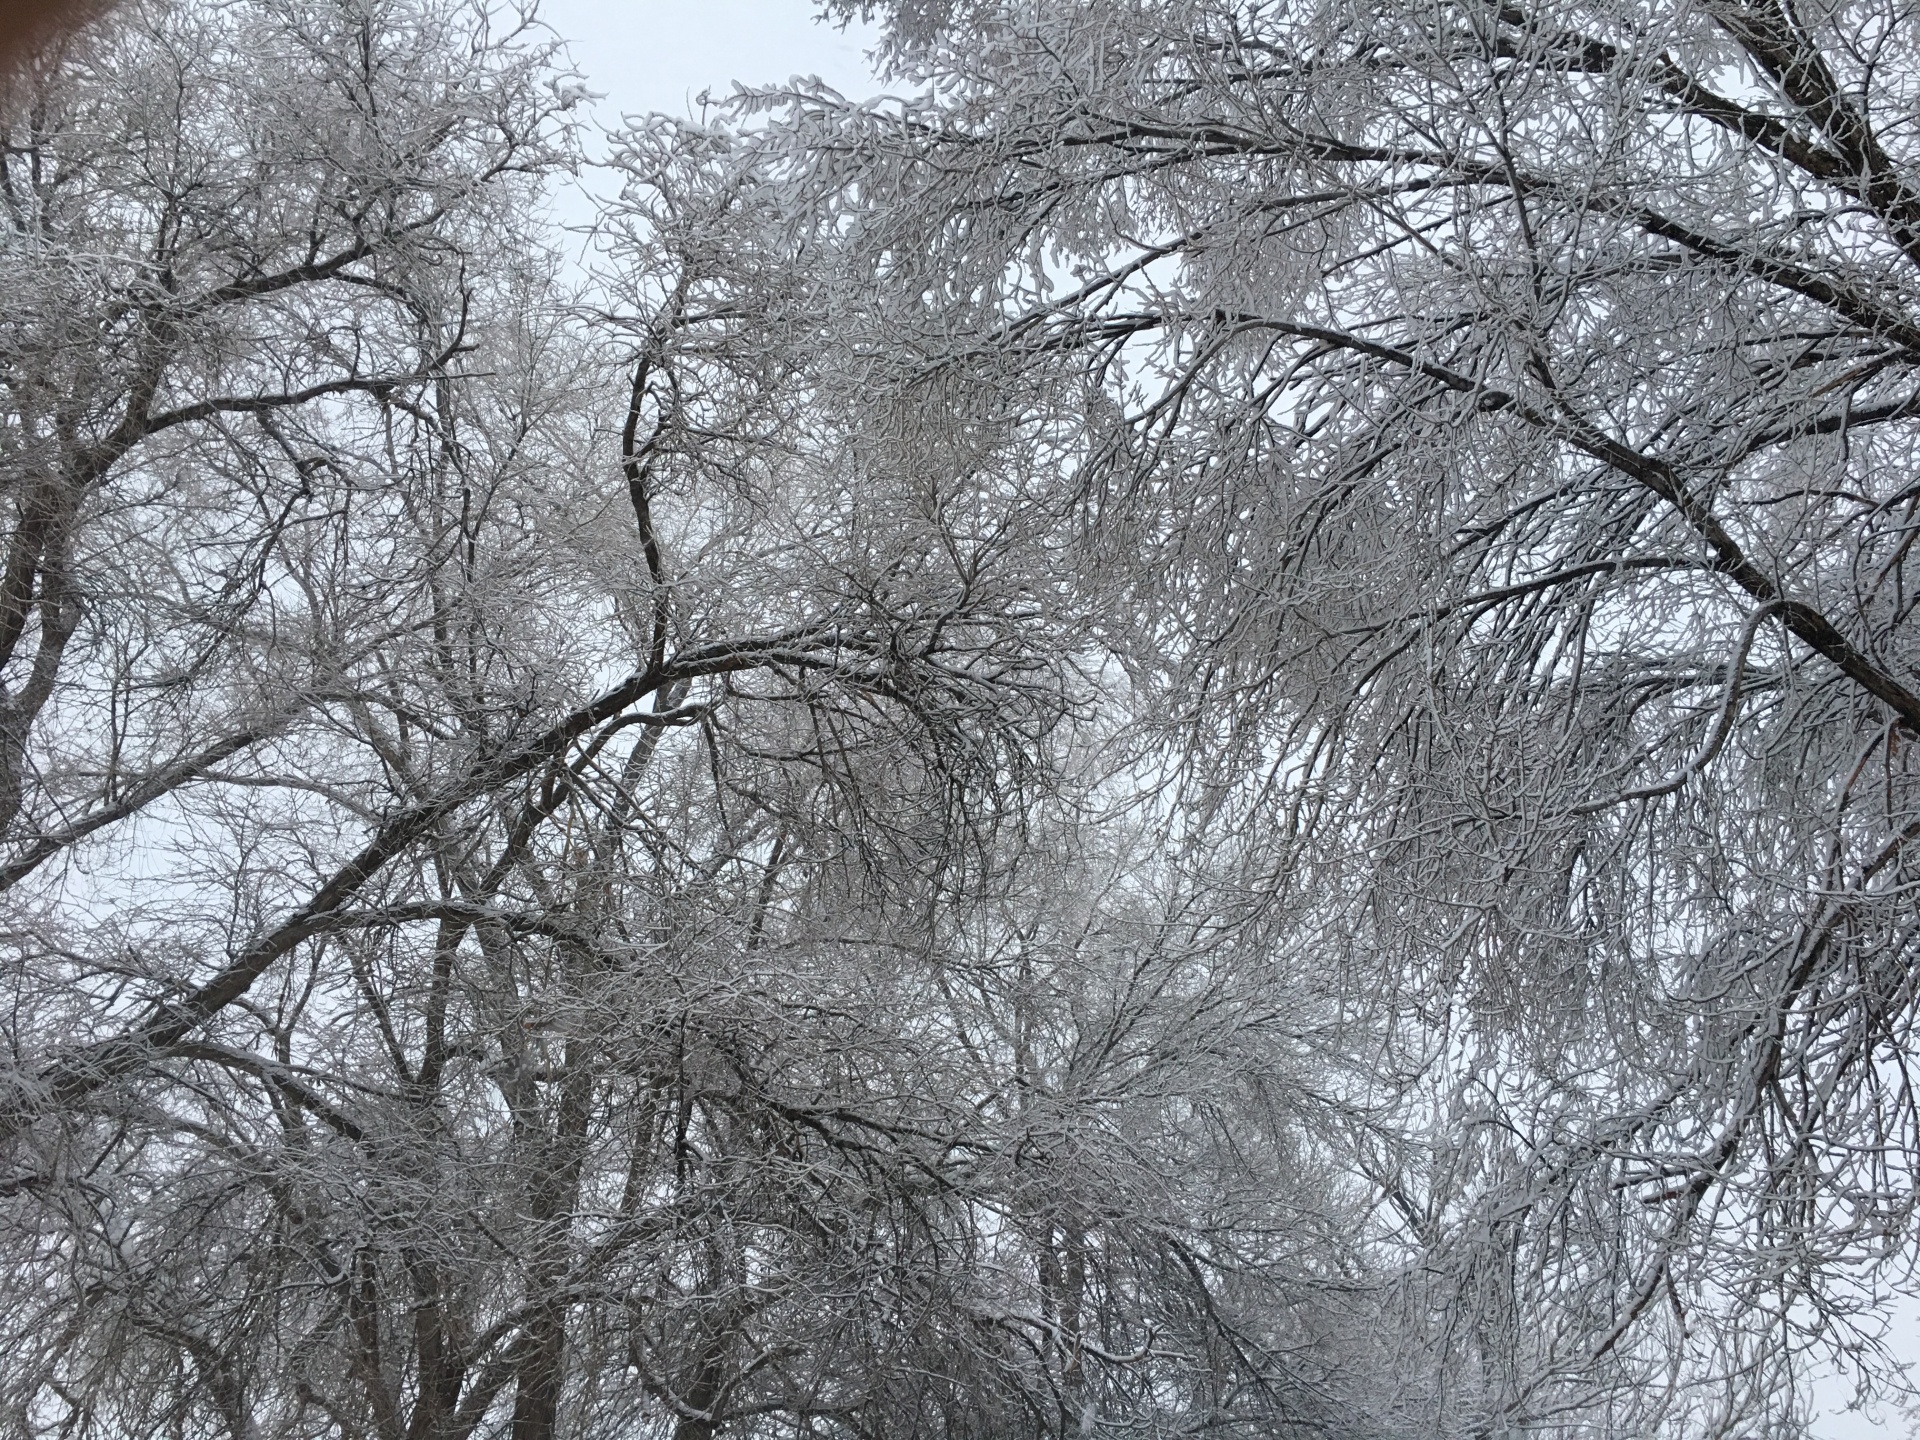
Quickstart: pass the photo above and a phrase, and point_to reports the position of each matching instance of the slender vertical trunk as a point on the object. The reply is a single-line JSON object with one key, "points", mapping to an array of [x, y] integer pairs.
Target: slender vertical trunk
{"points": [[554, 1184]]}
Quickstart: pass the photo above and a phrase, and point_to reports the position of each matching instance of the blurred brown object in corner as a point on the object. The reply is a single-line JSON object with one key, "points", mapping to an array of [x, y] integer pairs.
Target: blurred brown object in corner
{"points": [[26, 26]]}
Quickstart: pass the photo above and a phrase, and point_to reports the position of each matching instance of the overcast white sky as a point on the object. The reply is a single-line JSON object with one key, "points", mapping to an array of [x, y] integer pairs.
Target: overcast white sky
{"points": [[650, 55], [647, 56], [659, 55]]}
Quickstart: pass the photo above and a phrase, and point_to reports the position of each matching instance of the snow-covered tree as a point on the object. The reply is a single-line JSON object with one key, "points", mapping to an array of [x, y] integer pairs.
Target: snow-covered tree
{"points": [[1492, 431], [549, 876], [1206, 731]]}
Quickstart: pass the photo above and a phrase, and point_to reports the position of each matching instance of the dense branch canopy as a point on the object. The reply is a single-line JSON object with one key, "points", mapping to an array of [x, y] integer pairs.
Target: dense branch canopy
{"points": [[1206, 729]]}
